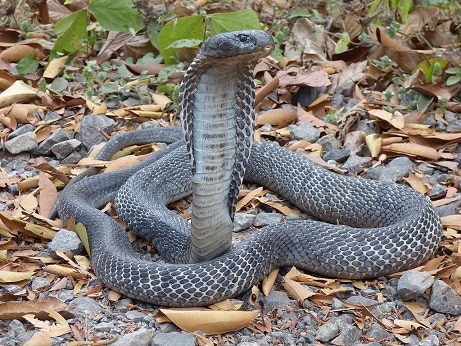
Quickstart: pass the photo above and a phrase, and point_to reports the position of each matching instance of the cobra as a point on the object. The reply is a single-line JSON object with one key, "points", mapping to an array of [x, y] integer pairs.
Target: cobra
{"points": [[368, 228]]}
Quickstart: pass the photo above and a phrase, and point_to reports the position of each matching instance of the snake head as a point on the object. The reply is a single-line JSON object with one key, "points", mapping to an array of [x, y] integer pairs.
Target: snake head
{"points": [[246, 45]]}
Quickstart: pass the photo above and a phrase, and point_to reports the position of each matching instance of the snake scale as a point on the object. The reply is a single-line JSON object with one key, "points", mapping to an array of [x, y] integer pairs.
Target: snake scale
{"points": [[368, 228]]}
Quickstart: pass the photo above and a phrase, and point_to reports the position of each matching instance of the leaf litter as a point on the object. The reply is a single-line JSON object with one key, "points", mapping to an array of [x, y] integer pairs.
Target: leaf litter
{"points": [[25, 228]]}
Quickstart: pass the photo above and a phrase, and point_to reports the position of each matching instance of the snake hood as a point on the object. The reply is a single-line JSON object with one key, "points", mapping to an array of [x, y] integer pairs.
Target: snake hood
{"points": [[252, 43]]}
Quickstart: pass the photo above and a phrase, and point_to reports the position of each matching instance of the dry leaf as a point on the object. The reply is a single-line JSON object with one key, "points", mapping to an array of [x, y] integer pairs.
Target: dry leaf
{"points": [[17, 93], [40, 339], [8, 277], [296, 290], [397, 120], [408, 325], [59, 328], [374, 143], [38, 307], [279, 117], [269, 280], [55, 67], [209, 321], [452, 221]]}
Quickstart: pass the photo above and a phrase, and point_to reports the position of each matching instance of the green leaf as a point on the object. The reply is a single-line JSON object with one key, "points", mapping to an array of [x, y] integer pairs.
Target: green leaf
{"points": [[185, 43], [192, 27], [117, 15], [452, 80], [80, 229], [300, 14], [153, 29], [343, 43], [239, 20], [71, 31], [28, 64], [453, 70], [59, 84]]}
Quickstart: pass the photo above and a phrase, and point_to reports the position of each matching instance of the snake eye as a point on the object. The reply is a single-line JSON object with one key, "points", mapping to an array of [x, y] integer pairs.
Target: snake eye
{"points": [[244, 38]]}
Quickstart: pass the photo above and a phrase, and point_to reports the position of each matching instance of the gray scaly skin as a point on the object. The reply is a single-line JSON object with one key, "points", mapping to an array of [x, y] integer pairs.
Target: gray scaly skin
{"points": [[375, 228], [216, 107]]}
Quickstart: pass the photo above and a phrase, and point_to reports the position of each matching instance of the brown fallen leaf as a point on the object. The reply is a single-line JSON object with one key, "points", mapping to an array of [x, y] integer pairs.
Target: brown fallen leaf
{"points": [[208, 321], [38, 307], [47, 195], [412, 149], [279, 117], [452, 221], [40, 339], [17, 93], [296, 290], [58, 328], [395, 119], [269, 281], [7, 276], [55, 67], [15, 225]]}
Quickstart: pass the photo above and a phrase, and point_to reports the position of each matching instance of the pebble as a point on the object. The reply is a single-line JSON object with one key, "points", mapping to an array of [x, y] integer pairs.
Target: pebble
{"points": [[437, 191], [38, 283], [243, 221], [337, 155], [275, 300], [264, 219], [66, 241], [85, 306], [135, 315], [329, 143], [393, 172], [22, 143], [304, 131], [44, 148], [90, 128], [326, 332], [141, 337], [444, 299], [65, 148], [173, 338], [355, 162], [21, 130], [413, 284]]}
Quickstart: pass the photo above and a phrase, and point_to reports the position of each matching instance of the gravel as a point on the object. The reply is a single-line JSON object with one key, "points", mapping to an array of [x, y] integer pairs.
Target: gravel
{"points": [[336, 319]]}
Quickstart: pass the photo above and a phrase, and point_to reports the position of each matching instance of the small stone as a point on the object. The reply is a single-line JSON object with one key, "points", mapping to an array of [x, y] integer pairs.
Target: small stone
{"points": [[64, 148], [243, 221], [38, 283], [264, 219], [274, 300], [425, 168], [174, 338], [66, 241], [44, 148], [329, 143], [359, 300], [349, 335], [85, 306], [72, 158], [104, 327], [431, 340], [21, 130], [355, 162], [141, 337], [22, 143], [90, 129], [444, 299], [266, 128], [336, 304], [377, 333], [346, 89], [304, 131], [413, 284], [135, 315], [393, 172], [339, 155], [437, 191], [326, 332]]}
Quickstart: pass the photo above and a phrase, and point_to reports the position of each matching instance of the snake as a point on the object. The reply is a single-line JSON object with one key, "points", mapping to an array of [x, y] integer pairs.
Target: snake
{"points": [[360, 229]]}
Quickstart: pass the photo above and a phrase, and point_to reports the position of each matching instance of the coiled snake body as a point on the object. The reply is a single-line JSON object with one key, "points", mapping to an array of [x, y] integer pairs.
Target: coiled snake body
{"points": [[390, 227]]}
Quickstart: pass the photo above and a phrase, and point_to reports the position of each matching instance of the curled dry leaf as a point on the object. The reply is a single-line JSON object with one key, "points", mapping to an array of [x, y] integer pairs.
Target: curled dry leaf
{"points": [[296, 290], [15, 225], [208, 321], [60, 327], [269, 280], [395, 119], [280, 117], [17, 52], [412, 149], [374, 143], [17, 93], [55, 67]]}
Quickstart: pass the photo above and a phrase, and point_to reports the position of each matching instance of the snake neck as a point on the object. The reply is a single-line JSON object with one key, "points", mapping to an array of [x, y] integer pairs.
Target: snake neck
{"points": [[218, 118]]}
